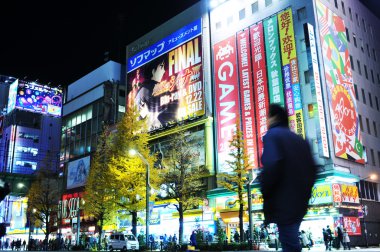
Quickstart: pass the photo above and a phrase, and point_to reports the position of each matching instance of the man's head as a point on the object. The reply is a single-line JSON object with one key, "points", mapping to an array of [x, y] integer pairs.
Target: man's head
{"points": [[277, 115]]}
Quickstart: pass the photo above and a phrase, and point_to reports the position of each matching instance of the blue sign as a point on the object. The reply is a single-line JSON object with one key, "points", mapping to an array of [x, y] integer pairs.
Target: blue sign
{"points": [[175, 39]]}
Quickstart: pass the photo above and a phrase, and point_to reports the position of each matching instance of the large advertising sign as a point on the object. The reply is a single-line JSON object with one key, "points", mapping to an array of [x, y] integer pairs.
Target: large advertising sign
{"points": [[12, 96], [350, 194], [227, 97], [340, 89], [260, 82], [352, 225], [272, 49], [246, 98], [78, 171], [165, 45], [41, 99], [196, 142], [316, 83], [69, 206], [169, 88], [290, 72], [321, 194]]}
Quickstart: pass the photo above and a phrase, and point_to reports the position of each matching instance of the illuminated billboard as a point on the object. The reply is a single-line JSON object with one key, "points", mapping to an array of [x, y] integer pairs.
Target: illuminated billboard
{"points": [[38, 98], [78, 171], [12, 96], [345, 126], [169, 88]]}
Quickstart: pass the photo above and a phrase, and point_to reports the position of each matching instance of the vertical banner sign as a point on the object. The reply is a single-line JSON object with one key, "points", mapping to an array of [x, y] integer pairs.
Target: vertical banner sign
{"points": [[260, 82], [246, 98], [340, 89], [313, 65], [290, 72], [227, 97], [272, 49]]}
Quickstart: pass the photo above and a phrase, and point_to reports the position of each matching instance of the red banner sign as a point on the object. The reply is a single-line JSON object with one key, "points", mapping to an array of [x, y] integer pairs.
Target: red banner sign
{"points": [[260, 81], [246, 98], [227, 97], [337, 195]]}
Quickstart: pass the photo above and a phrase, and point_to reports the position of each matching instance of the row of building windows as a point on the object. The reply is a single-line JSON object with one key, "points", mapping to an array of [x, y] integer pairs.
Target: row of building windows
{"points": [[357, 18], [368, 126], [355, 41], [364, 98], [368, 190]]}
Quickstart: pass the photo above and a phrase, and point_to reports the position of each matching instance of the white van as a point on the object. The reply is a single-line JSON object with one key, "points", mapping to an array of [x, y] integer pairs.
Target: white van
{"points": [[123, 242]]}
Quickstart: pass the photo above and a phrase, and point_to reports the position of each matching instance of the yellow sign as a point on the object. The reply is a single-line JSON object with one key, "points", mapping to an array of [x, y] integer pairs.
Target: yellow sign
{"points": [[285, 26], [350, 194]]}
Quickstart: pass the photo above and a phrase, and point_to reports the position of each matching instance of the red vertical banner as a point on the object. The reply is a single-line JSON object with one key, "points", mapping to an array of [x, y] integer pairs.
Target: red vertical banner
{"points": [[260, 82], [246, 98], [227, 97]]}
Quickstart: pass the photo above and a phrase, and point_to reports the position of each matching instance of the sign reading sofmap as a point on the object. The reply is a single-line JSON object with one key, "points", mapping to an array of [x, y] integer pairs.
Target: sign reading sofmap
{"points": [[345, 126], [169, 88], [246, 98], [290, 72], [227, 97]]}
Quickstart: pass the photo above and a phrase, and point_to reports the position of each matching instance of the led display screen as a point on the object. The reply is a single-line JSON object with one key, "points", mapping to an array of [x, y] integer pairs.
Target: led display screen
{"points": [[12, 96], [78, 172], [37, 98]]}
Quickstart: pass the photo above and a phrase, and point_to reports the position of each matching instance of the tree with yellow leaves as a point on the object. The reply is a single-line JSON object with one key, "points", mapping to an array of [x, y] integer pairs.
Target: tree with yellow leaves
{"points": [[129, 172], [236, 180], [99, 193], [183, 178], [43, 199]]}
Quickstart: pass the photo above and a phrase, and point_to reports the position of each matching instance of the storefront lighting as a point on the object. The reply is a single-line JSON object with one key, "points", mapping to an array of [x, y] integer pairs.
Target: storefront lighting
{"points": [[333, 179]]}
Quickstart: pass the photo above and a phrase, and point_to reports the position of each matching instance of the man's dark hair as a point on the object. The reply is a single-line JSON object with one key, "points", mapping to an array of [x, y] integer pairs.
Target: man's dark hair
{"points": [[279, 113]]}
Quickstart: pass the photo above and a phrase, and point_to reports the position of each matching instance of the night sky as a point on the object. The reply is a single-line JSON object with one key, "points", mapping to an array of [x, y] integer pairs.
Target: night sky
{"points": [[60, 41]]}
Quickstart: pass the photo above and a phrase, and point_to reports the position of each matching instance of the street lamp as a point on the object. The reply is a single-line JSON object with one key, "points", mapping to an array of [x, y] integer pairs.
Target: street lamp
{"points": [[133, 152], [371, 177]]}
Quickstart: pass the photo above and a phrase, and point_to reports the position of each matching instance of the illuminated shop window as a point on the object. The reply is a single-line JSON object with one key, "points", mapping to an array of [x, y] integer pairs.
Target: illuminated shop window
{"points": [[27, 164], [33, 151]]}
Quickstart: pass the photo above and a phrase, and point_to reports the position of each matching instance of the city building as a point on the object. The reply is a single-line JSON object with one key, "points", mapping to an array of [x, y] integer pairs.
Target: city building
{"points": [[214, 63], [94, 100], [30, 125]]}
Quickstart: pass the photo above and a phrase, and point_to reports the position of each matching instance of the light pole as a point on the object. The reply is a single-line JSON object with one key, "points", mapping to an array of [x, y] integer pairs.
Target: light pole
{"points": [[133, 153], [372, 177]]}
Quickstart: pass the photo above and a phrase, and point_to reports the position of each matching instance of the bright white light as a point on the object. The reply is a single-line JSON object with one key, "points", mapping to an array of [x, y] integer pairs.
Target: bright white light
{"points": [[373, 176], [213, 3], [132, 152], [20, 185]]}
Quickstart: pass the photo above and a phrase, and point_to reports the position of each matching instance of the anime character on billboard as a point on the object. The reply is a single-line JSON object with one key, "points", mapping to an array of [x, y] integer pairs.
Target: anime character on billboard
{"points": [[81, 174]]}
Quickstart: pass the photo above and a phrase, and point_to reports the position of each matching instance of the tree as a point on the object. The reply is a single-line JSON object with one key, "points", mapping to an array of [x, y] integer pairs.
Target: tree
{"points": [[99, 194], [236, 179], [43, 198], [129, 172], [183, 178]]}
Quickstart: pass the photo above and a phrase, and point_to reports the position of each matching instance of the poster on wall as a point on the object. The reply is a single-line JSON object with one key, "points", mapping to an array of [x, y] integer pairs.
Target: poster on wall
{"points": [[247, 105], [170, 87], [345, 126], [352, 225], [38, 98], [290, 72], [226, 97], [350, 194], [78, 172], [12, 96], [196, 142]]}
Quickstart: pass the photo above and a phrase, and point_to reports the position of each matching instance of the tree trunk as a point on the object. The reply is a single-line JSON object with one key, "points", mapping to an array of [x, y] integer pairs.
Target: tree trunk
{"points": [[134, 223], [180, 212], [100, 231], [241, 209]]}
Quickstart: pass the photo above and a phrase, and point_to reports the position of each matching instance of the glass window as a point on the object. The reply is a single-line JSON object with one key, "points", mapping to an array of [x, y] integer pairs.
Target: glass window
{"points": [[356, 92], [359, 68], [373, 157], [370, 99], [374, 53], [352, 63], [218, 25], [365, 72], [374, 128], [363, 96], [377, 103], [357, 19], [307, 76], [361, 122], [241, 14], [336, 3], [343, 9], [364, 27], [348, 35], [354, 39], [368, 126], [268, 2], [350, 12], [369, 55], [301, 13], [372, 77], [255, 7]]}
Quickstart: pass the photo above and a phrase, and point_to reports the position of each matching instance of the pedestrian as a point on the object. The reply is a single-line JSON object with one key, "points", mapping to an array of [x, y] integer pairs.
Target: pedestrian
{"points": [[193, 239], [23, 245], [339, 237], [305, 239], [175, 239], [287, 178], [330, 236], [236, 236], [346, 240], [326, 239]]}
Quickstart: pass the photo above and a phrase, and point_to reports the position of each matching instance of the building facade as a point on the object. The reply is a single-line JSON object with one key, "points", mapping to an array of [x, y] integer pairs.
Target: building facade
{"points": [[29, 142], [211, 65]]}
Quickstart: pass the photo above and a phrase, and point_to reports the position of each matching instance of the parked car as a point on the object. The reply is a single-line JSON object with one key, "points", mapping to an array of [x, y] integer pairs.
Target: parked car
{"points": [[123, 242]]}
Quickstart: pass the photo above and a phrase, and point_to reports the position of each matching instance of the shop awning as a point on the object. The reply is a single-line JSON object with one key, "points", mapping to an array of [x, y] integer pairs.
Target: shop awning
{"points": [[232, 216]]}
